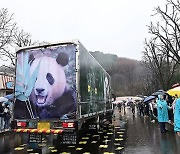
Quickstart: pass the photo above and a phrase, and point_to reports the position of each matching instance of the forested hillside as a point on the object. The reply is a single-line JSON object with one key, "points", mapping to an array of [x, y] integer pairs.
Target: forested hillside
{"points": [[126, 73]]}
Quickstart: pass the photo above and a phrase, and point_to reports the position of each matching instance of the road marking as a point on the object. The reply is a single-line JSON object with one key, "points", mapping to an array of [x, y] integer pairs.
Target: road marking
{"points": [[71, 146], [122, 129], [120, 132], [29, 150], [119, 148], [42, 144], [51, 148], [106, 140], [78, 149], [54, 150], [103, 146], [95, 135], [85, 138], [118, 139], [94, 142], [83, 142], [19, 148], [23, 145], [116, 143]]}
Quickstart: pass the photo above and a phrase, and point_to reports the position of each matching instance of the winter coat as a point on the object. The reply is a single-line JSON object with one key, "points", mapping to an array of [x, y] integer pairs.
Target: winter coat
{"points": [[1, 110], [162, 110], [177, 116], [7, 113]]}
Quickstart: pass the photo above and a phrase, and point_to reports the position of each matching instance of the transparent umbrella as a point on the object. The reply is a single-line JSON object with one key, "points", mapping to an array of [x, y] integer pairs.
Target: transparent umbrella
{"points": [[3, 99]]}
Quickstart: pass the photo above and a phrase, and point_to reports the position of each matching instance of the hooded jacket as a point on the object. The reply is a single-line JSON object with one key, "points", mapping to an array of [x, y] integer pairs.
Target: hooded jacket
{"points": [[177, 116], [162, 109]]}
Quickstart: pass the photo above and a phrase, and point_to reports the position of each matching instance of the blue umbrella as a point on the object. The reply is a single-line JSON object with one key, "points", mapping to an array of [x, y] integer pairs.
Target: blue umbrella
{"points": [[160, 90], [156, 93], [149, 98], [10, 96]]}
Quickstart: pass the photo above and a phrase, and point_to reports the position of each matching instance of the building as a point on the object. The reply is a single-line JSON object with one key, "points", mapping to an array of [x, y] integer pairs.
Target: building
{"points": [[6, 80]]}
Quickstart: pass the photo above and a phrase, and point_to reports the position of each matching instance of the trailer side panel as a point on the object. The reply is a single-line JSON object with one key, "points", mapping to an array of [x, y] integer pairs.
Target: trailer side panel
{"points": [[95, 88]]}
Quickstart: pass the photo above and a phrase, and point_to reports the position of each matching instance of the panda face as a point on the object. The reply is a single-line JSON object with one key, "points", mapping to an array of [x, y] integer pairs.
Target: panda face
{"points": [[50, 83]]}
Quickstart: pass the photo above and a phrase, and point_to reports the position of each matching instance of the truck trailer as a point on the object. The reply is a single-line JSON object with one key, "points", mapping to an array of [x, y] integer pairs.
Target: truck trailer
{"points": [[61, 89]]}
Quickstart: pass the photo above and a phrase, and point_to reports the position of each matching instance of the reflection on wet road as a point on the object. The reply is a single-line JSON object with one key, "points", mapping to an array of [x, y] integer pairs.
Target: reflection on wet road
{"points": [[128, 134], [144, 137], [109, 139]]}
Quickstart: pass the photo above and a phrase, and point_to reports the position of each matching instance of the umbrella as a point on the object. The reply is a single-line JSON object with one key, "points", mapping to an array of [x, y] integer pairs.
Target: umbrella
{"points": [[175, 85], [117, 102], [149, 98], [10, 96], [156, 93], [3, 99], [174, 91], [141, 96], [160, 90]]}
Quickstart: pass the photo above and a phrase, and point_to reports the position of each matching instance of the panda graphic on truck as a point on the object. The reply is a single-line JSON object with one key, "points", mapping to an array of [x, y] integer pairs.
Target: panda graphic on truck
{"points": [[51, 96]]}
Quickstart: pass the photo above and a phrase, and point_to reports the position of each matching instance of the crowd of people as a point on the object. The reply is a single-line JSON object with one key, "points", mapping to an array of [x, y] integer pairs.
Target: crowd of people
{"points": [[162, 109], [5, 116]]}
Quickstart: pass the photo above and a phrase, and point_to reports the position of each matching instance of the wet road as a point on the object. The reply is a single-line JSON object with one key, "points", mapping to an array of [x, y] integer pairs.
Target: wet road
{"points": [[128, 134], [109, 139], [144, 137]]}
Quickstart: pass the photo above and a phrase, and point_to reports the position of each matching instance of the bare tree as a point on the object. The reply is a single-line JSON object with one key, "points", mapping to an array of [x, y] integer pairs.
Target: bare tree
{"points": [[168, 29], [22, 38], [7, 27], [11, 37], [156, 58]]}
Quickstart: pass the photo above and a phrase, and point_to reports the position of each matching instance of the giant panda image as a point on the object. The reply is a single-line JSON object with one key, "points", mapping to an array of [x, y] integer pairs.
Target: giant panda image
{"points": [[51, 97]]}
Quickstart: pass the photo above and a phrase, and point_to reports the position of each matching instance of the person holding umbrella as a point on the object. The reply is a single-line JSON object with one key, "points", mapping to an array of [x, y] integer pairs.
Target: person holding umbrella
{"points": [[177, 116], [1, 116], [162, 110], [7, 116], [2, 107]]}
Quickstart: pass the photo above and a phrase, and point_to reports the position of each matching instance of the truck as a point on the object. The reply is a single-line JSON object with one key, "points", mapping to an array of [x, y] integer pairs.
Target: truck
{"points": [[60, 88]]}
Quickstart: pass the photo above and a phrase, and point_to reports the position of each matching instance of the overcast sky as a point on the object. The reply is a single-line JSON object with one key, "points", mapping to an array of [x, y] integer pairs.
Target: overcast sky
{"points": [[109, 26]]}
